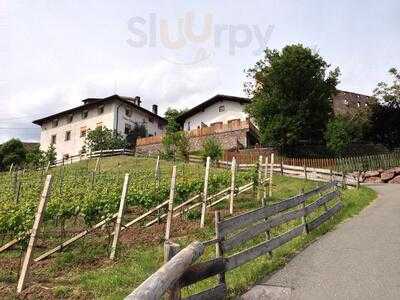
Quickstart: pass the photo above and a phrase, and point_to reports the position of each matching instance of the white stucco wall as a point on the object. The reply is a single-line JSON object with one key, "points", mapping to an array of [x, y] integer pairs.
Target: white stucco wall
{"points": [[74, 145], [107, 118], [211, 114], [137, 116]]}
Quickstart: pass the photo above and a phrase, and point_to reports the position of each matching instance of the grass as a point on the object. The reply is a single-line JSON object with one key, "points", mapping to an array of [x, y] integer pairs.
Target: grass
{"points": [[83, 270]]}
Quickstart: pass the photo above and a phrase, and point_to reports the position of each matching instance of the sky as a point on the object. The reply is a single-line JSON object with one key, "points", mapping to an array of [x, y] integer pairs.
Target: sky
{"points": [[53, 54]]}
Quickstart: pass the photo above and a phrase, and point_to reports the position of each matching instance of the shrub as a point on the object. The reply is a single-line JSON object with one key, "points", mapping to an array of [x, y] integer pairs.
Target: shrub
{"points": [[212, 148]]}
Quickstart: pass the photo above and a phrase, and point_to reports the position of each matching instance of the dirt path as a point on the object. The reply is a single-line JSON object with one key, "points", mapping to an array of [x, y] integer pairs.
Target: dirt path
{"points": [[358, 260]]}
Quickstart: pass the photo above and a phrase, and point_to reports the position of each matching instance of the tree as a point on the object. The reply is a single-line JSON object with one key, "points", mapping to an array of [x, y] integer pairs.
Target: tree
{"points": [[104, 139], [50, 155], [12, 152], [174, 140], [291, 95], [212, 148], [339, 135], [35, 157], [139, 130], [385, 113]]}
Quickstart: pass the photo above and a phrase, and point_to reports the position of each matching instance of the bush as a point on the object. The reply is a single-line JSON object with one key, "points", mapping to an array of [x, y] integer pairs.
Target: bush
{"points": [[212, 148]]}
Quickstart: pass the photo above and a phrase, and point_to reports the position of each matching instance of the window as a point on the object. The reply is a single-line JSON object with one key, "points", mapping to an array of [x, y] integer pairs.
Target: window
{"points": [[99, 124], [53, 139], [128, 128], [55, 123], [68, 135], [234, 122], [221, 108], [160, 126], [70, 118], [83, 131], [85, 114], [128, 112], [346, 102], [100, 109], [216, 124], [151, 119], [188, 125]]}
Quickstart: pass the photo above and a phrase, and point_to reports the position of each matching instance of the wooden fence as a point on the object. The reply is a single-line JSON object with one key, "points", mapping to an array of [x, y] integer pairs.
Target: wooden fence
{"points": [[342, 164], [230, 234]]}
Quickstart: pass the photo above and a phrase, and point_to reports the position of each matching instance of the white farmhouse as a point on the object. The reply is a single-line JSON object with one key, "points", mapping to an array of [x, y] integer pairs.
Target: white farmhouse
{"points": [[67, 130], [215, 112]]}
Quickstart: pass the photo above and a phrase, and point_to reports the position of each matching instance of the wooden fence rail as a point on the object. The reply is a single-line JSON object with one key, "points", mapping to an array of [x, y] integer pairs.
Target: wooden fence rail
{"points": [[232, 233]]}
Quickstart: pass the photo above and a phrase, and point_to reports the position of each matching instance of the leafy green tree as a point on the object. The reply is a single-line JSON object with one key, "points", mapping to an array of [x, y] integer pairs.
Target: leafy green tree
{"points": [[212, 148], [339, 135], [385, 113], [139, 130], [50, 155], [35, 157], [174, 141], [104, 139], [291, 95], [12, 152]]}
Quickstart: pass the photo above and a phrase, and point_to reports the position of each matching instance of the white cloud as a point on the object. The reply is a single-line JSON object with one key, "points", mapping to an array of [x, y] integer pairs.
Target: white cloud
{"points": [[162, 83]]}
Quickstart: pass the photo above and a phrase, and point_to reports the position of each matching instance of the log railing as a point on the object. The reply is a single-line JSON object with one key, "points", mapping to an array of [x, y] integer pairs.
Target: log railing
{"points": [[232, 233]]}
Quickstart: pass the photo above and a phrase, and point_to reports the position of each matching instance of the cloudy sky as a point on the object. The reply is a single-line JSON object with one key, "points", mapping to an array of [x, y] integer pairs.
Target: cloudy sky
{"points": [[53, 53]]}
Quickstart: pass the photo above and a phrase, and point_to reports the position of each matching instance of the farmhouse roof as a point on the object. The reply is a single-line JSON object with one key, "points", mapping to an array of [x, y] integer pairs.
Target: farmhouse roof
{"points": [[209, 102], [90, 102]]}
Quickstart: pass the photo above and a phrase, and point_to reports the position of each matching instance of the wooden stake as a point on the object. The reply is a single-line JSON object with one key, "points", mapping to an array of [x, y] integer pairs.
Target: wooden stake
{"points": [[11, 169], [119, 217], [265, 181], [170, 205], [204, 204], [233, 179], [271, 173], [259, 178], [170, 250], [47, 167], [35, 229], [96, 168], [218, 249]]}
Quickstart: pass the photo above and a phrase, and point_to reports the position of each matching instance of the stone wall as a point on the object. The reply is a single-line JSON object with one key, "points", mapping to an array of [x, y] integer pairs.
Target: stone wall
{"points": [[228, 140]]}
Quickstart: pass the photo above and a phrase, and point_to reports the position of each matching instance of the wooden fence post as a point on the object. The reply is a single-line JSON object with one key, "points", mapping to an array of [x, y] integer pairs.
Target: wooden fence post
{"points": [[259, 178], [170, 250], [271, 174], [265, 184], [35, 229], [170, 204], [205, 192], [305, 172], [18, 191], [96, 168], [119, 217], [304, 218], [233, 179], [11, 168], [218, 249], [47, 166]]}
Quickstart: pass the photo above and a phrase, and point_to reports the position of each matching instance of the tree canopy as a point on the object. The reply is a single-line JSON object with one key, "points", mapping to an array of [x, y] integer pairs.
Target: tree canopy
{"points": [[291, 94]]}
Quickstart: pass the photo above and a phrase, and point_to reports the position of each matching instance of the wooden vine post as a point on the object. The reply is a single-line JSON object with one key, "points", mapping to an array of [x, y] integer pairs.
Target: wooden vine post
{"points": [[11, 169], [265, 183], [35, 229], [170, 250], [259, 178], [119, 216], [205, 192], [157, 176], [170, 204], [96, 168], [271, 173], [233, 179], [47, 167]]}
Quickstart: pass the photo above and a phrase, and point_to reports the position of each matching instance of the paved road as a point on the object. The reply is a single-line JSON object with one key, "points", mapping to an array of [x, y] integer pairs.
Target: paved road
{"points": [[358, 260]]}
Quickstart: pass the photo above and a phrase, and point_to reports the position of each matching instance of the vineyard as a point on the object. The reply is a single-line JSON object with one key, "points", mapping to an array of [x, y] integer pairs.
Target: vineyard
{"points": [[78, 192], [85, 197]]}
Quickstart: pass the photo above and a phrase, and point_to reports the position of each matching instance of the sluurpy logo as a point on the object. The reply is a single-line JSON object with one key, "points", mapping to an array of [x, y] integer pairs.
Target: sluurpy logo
{"points": [[159, 32]]}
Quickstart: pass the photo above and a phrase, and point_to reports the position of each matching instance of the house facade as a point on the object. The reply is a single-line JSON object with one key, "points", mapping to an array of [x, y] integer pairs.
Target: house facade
{"points": [[67, 130], [215, 112]]}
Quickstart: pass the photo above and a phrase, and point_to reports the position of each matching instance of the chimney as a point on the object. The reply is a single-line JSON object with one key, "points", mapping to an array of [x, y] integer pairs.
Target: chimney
{"points": [[155, 109], [137, 100]]}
